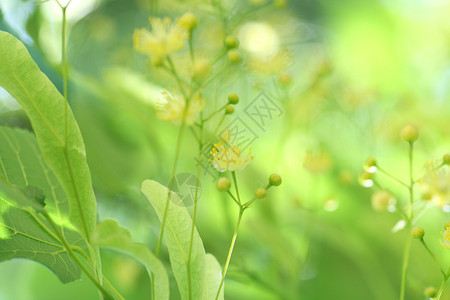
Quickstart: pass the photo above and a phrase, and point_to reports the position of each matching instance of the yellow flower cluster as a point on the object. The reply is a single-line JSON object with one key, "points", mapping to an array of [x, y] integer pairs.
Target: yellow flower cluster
{"points": [[165, 38], [172, 107], [446, 240], [229, 159], [437, 184]]}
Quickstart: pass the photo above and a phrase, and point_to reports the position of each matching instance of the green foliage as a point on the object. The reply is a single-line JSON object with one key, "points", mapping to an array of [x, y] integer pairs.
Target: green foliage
{"points": [[25, 235], [22, 164], [109, 234], [56, 130], [205, 270], [24, 182]]}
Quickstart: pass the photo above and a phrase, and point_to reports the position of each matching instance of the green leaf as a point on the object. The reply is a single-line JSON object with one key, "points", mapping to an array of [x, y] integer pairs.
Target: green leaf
{"points": [[109, 234], [204, 269], [56, 130], [22, 165], [23, 234], [24, 182], [213, 276], [24, 198]]}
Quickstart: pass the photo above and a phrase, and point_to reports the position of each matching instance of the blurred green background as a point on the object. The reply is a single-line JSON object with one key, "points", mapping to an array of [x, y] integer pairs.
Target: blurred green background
{"points": [[359, 71]]}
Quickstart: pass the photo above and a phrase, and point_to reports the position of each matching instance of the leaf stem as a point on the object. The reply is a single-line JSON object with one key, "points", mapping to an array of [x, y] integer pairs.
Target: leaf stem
{"points": [[65, 78], [69, 249]]}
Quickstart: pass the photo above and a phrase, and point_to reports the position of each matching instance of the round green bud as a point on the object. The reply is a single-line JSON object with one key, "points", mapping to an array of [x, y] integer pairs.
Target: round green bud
{"points": [[231, 42], [201, 67], [233, 98], [365, 179], [427, 196], [280, 3], [223, 184], [446, 159], [285, 79], [417, 233], [275, 179], [261, 193], [234, 56], [229, 109], [430, 292], [381, 199], [188, 21], [370, 165], [409, 133], [365, 175]]}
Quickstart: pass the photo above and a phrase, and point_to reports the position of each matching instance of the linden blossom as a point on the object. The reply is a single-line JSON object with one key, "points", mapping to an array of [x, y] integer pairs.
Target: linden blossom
{"points": [[229, 159], [170, 107], [446, 237], [165, 38]]}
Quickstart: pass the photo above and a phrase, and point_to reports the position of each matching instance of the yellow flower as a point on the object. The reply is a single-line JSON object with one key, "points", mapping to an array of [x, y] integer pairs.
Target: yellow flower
{"points": [[446, 239], [229, 159], [437, 184], [274, 64], [188, 21], [165, 38], [317, 162], [171, 107]]}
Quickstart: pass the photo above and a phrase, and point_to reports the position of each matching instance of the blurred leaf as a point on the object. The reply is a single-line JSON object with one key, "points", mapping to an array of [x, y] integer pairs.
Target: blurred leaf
{"points": [[56, 130], [204, 268], [109, 234]]}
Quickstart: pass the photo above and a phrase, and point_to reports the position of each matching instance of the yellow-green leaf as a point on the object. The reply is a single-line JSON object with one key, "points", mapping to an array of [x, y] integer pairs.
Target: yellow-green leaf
{"points": [[109, 234], [57, 132]]}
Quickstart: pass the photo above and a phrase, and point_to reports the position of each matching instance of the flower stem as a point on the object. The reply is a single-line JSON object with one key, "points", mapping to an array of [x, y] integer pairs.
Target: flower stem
{"points": [[407, 250], [230, 251], [233, 174], [406, 254], [194, 213], [444, 281], [411, 180], [191, 46], [422, 241], [166, 208], [178, 78], [392, 177]]}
